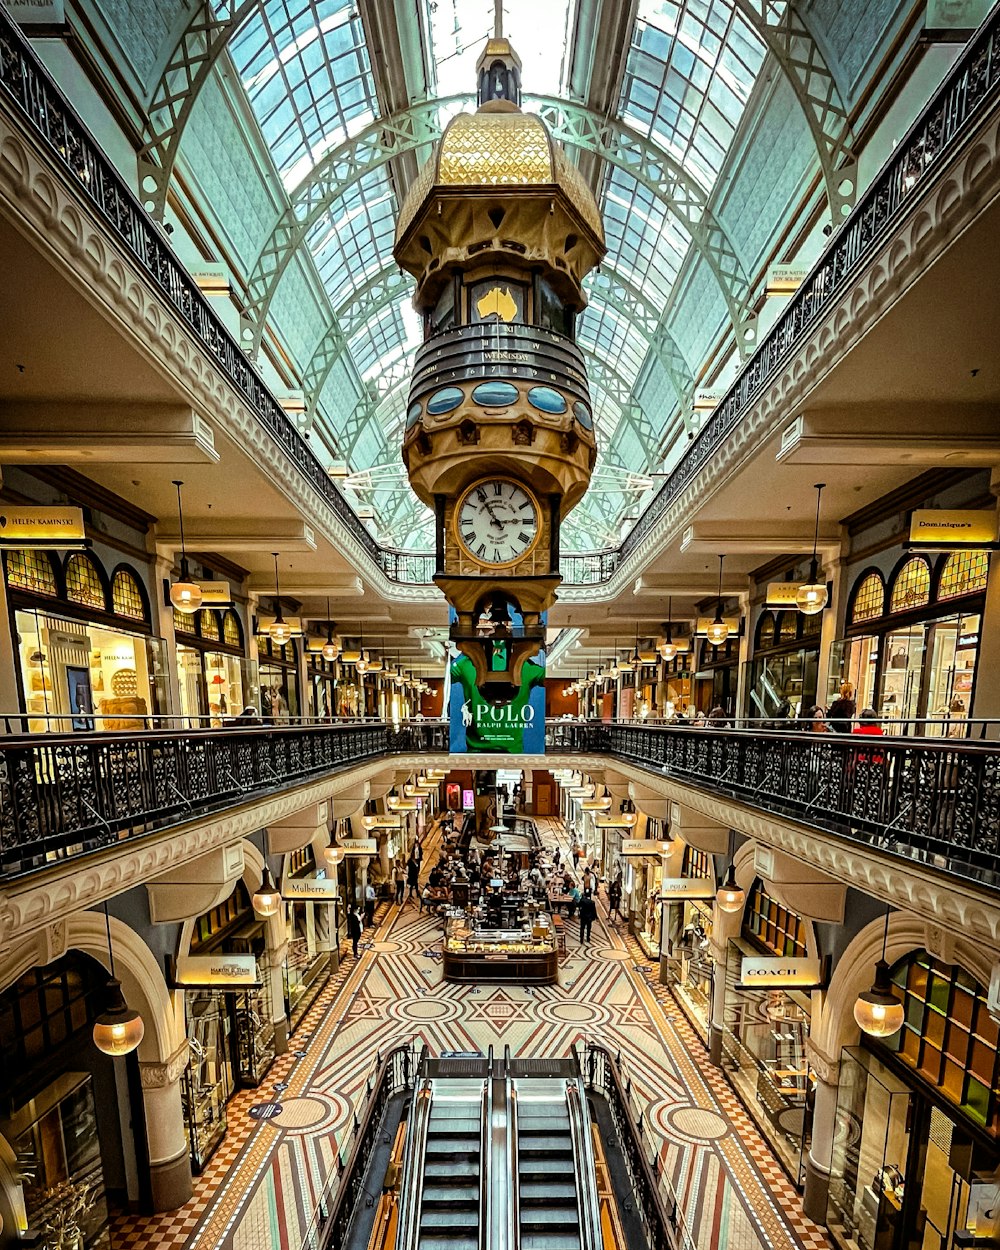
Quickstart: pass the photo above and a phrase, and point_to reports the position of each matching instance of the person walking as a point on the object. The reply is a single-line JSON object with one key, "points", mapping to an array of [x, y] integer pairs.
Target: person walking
{"points": [[354, 928], [615, 898], [588, 914], [369, 906], [399, 879], [412, 877]]}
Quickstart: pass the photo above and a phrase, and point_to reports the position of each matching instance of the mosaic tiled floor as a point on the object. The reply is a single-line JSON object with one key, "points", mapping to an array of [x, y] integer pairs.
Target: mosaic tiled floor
{"points": [[260, 1189]]}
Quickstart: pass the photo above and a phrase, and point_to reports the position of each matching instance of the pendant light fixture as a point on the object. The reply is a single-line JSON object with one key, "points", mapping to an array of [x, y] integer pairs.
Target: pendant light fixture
{"points": [[331, 649], [878, 1012], [811, 598], [361, 663], [185, 595], [279, 630], [117, 1030], [667, 648], [333, 855], [615, 669], [729, 897], [267, 900], [718, 630]]}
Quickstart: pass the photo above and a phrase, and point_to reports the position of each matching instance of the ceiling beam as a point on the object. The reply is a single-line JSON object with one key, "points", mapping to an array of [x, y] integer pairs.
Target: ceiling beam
{"points": [[46, 432]]}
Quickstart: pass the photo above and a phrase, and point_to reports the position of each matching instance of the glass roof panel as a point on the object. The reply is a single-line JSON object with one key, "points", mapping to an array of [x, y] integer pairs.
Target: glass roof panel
{"points": [[690, 71], [305, 68], [353, 241], [615, 340], [646, 243], [539, 31]]}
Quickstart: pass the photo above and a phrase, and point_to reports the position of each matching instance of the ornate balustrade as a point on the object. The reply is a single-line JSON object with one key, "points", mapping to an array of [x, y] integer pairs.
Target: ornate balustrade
{"points": [[936, 801]]}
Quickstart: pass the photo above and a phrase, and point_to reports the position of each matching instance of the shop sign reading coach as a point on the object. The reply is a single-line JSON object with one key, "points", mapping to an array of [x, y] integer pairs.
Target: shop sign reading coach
{"points": [[29, 527], [767, 972], [223, 972]]}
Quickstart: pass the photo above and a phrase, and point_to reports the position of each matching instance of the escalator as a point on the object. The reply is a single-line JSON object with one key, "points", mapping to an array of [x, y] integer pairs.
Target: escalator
{"points": [[547, 1166], [451, 1193]]}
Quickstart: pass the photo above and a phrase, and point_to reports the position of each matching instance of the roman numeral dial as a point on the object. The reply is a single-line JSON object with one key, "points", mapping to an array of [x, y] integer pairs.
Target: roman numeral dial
{"points": [[497, 522]]}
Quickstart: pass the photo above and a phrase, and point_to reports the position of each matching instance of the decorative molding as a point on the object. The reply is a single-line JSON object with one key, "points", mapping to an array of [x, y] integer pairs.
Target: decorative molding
{"points": [[160, 1075]]}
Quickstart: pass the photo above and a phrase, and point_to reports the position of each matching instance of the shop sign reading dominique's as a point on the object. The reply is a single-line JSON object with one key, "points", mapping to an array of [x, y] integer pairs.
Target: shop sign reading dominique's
{"points": [[763, 972], [322, 889], [226, 972], [22, 526], [686, 887], [949, 527]]}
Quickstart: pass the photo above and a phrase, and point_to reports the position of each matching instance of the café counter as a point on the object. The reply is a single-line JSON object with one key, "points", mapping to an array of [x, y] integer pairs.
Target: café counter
{"points": [[527, 956]]}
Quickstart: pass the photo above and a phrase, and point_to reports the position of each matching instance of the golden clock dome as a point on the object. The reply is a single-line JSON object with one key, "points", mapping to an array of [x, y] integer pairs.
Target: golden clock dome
{"points": [[499, 146]]}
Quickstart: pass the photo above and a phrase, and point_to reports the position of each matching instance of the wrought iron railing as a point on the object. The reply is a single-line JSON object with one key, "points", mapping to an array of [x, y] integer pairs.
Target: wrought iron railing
{"points": [[65, 795], [933, 800], [655, 1199], [339, 1202], [589, 568]]}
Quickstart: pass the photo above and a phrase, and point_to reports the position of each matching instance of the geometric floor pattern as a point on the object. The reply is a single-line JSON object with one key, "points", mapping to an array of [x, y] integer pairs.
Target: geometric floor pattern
{"points": [[259, 1191]]}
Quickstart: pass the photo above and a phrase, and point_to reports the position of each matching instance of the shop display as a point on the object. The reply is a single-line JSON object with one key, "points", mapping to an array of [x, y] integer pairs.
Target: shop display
{"points": [[208, 1079], [474, 952]]}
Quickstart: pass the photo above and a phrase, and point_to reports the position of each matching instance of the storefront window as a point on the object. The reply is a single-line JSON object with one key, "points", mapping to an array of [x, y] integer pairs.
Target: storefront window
{"points": [[215, 685], [279, 681], [911, 587], [83, 582], [783, 675], [311, 930], [686, 963]]}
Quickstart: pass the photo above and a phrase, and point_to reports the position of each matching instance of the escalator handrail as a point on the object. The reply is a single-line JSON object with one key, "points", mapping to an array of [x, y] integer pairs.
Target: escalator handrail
{"points": [[514, 1189], [485, 1168], [584, 1167], [411, 1188]]}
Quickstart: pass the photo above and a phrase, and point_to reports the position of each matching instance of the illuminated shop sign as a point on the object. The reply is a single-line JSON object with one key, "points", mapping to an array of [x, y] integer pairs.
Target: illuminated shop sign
{"points": [[322, 889], [782, 594], [225, 972], [30, 527], [644, 846], [773, 972], [215, 594], [944, 527], [687, 887], [359, 846]]}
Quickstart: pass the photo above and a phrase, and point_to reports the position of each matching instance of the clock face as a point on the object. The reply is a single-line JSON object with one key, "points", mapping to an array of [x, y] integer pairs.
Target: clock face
{"points": [[497, 521]]}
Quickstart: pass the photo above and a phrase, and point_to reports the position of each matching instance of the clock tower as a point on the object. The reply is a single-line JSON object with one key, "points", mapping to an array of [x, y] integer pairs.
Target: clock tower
{"points": [[499, 230]]}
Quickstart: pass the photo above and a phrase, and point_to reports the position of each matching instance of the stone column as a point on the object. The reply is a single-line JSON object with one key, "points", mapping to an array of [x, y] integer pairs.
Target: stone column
{"points": [[817, 1182], [725, 925], [166, 1135], [986, 698], [271, 968]]}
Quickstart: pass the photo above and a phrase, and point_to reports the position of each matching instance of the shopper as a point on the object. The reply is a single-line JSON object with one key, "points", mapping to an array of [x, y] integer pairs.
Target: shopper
{"points": [[615, 898], [369, 906], [588, 914], [817, 721], [842, 710], [412, 877], [574, 899], [354, 928], [717, 717], [399, 879]]}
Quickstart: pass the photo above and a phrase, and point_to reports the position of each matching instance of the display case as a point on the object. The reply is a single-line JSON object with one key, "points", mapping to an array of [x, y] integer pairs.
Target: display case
{"points": [[208, 1078], [526, 955]]}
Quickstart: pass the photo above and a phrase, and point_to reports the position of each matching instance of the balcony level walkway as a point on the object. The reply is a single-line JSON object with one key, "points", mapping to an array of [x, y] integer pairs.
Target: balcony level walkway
{"points": [[262, 1185]]}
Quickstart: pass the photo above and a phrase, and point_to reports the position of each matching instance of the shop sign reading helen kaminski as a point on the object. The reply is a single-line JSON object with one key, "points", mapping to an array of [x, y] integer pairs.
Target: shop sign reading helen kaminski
{"points": [[22, 525]]}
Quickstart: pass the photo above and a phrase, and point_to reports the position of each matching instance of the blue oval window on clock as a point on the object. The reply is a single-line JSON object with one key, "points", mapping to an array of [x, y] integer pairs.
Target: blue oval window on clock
{"points": [[444, 401], [545, 399], [583, 415], [495, 394], [413, 415]]}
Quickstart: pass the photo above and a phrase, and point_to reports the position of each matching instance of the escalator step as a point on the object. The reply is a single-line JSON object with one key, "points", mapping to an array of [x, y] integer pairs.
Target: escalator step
{"points": [[563, 1216], [437, 1193], [547, 1191], [544, 1166], [450, 1220], [453, 1241], [547, 1241], [446, 1169]]}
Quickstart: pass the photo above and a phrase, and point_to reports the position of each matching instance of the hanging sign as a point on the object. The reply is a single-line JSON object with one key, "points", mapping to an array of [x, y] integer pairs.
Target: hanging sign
{"points": [[686, 887], [947, 528], [624, 820], [323, 889], [785, 279], [38, 527], [644, 846], [215, 594], [388, 821], [224, 972], [779, 972], [782, 594], [704, 621], [358, 846]]}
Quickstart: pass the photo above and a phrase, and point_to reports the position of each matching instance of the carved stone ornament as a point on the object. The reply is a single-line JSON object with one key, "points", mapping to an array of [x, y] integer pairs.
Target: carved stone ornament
{"points": [[160, 1075], [522, 433]]}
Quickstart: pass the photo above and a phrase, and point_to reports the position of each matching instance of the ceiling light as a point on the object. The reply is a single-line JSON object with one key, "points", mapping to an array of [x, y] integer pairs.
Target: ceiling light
{"points": [[878, 1012], [185, 595], [667, 649], [718, 630], [279, 630], [117, 1030], [729, 896], [811, 598], [267, 900]]}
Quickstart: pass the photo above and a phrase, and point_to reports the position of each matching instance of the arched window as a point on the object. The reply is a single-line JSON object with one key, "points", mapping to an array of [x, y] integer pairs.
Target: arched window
{"points": [[765, 631], [184, 623], [127, 598], [911, 587], [84, 584], [232, 634], [868, 602], [948, 1036], [208, 624], [32, 571], [777, 928], [787, 626], [963, 573]]}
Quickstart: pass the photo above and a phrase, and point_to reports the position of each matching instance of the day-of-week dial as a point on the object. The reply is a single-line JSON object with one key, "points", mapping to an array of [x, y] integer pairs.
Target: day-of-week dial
{"points": [[497, 522]]}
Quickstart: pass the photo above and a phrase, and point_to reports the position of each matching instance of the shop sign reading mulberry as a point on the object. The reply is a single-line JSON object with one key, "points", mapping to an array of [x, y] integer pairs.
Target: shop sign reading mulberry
{"points": [[767, 972], [317, 889], [41, 527]]}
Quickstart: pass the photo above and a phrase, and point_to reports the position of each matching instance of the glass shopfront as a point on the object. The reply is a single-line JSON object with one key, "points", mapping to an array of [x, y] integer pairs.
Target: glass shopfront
{"points": [[215, 679], [311, 931], [86, 659], [686, 962], [913, 643], [647, 912], [278, 669], [715, 682], [785, 664], [764, 1034]]}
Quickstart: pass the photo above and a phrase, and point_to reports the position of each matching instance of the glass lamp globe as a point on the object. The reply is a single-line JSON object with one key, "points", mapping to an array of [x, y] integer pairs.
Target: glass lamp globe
{"points": [[730, 897], [266, 901], [717, 632], [878, 1012], [118, 1030], [362, 663], [185, 596], [613, 672], [667, 651], [330, 650], [279, 631], [333, 855], [811, 598]]}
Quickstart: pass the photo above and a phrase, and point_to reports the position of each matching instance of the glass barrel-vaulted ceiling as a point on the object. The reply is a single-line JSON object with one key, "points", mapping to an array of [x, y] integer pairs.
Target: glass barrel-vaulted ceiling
{"points": [[689, 72]]}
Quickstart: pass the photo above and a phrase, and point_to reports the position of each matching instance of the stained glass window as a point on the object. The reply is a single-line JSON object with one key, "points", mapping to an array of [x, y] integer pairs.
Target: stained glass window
{"points": [[777, 928], [184, 623], [912, 586], [208, 624], [31, 570], [126, 596], [232, 635], [83, 582], [869, 599], [765, 630], [963, 573]]}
